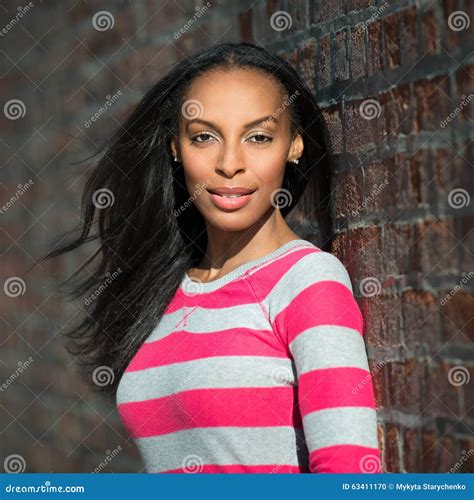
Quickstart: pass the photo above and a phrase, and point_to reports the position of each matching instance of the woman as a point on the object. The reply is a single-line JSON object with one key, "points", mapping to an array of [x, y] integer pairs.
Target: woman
{"points": [[234, 345]]}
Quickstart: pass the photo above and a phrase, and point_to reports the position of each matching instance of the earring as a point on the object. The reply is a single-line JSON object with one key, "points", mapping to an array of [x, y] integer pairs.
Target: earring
{"points": [[175, 158], [296, 160]]}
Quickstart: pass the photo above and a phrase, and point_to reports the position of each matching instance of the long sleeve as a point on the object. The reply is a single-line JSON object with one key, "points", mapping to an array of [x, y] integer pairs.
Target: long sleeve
{"points": [[315, 314]]}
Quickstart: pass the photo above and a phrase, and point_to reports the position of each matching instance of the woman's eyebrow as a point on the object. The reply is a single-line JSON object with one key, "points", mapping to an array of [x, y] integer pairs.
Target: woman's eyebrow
{"points": [[246, 126]]}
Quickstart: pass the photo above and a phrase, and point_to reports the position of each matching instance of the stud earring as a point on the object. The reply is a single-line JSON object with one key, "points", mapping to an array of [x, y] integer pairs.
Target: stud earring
{"points": [[295, 161], [175, 158]]}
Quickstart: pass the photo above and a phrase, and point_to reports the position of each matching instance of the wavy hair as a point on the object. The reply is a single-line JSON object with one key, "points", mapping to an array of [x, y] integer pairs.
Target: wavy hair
{"points": [[145, 241]]}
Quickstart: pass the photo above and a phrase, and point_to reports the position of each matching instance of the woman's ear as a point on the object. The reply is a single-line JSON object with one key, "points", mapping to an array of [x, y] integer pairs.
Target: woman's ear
{"points": [[174, 150], [296, 147]]}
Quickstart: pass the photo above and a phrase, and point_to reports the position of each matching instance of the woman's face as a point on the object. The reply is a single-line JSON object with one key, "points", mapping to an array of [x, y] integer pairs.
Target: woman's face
{"points": [[234, 131]]}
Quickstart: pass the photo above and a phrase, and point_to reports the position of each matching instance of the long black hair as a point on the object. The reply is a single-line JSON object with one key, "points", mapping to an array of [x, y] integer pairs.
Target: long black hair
{"points": [[132, 206]]}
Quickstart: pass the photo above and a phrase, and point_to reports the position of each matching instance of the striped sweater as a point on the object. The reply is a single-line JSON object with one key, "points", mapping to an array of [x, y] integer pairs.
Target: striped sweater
{"points": [[263, 370]]}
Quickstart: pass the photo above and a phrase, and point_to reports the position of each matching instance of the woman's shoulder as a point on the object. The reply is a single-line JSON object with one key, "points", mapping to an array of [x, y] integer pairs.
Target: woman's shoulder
{"points": [[310, 265]]}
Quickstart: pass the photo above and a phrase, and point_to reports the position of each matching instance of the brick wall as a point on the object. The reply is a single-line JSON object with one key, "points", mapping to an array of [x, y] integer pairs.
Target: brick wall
{"points": [[395, 82]]}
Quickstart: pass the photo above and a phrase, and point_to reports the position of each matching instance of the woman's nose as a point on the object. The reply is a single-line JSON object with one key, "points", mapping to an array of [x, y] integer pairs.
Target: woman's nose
{"points": [[231, 162]]}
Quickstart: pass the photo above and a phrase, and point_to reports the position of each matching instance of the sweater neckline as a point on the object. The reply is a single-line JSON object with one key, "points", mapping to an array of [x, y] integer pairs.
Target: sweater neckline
{"points": [[193, 286]]}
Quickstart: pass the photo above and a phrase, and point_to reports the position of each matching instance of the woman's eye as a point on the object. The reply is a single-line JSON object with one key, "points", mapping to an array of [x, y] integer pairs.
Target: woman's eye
{"points": [[204, 138], [261, 136], [195, 138]]}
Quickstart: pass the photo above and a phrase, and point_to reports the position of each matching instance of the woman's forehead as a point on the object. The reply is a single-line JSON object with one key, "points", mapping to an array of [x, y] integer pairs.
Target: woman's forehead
{"points": [[239, 95], [236, 84]]}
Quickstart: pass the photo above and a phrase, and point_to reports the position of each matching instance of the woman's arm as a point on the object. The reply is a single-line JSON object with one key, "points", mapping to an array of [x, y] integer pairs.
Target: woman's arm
{"points": [[317, 317]]}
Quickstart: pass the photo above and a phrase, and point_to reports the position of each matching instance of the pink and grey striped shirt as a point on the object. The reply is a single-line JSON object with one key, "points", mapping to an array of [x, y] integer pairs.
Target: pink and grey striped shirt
{"points": [[263, 370]]}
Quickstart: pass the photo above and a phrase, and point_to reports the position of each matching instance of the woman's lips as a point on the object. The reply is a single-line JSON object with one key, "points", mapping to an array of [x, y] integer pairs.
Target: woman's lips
{"points": [[230, 203]]}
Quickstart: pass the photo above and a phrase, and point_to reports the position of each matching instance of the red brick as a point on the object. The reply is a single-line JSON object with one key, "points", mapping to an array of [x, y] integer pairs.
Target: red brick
{"points": [[379, 376], [441, 397], [347, 189], [428, 451], [307, 64], [300, 14], [400, 249], [325, 59], [392, 438], [432, 102], [375, 181], [429, 33], [351, 5], [404, 386], [245, 26], [375, 52], [391, 28], [332, 117], [409, 37], [357, 50], [456, 316], [438, 246], [382, 320], [398, 110], [367, 258], [358, 131], [421, 177], [324, 11], [465, 459], [451, 38], [465, 237], [412, 450], [446, 453], [341, 59], [420, 320], [464, 91]]}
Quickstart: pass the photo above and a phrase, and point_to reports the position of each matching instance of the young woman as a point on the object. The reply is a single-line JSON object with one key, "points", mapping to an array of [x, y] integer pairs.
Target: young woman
{"points": [[233, 344]]}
